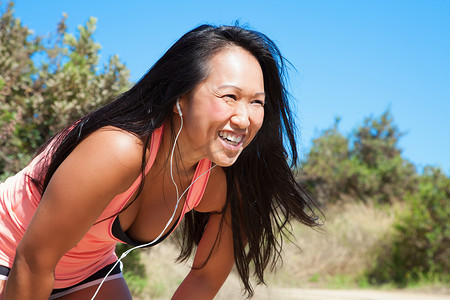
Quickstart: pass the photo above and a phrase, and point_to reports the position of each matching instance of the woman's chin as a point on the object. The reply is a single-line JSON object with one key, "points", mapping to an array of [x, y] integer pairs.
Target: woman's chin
{"points": [[224, 160]]}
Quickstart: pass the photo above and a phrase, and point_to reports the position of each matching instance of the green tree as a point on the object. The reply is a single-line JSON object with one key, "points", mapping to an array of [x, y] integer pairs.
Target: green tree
{"points": [[37, 99], [371, 169], [381, 173], [16, 84], [326, 167]]}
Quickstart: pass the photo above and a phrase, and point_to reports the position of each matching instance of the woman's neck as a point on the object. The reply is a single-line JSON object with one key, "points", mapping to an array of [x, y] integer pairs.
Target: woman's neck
{"points": [[182, 162]]}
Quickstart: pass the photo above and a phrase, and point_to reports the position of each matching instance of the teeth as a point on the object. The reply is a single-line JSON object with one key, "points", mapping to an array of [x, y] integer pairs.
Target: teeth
{"points": [[231, 138]]}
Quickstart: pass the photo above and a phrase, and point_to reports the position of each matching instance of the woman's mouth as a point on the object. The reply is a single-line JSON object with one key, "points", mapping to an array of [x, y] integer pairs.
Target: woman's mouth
{"points": [[231, 138]]}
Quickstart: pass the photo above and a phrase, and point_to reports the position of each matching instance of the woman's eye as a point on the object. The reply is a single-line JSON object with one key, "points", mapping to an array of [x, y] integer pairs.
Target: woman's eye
{"points": [[229, 97], [259, 102]]}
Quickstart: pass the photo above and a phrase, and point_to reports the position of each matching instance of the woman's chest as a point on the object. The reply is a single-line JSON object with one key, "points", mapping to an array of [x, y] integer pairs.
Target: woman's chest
{"points": [[156, 209]]}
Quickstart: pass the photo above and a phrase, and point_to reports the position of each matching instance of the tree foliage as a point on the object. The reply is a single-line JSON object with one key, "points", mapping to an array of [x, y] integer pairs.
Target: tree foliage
{"points": [[327, 164], [47, 83], [421, 241], [366, 166]]}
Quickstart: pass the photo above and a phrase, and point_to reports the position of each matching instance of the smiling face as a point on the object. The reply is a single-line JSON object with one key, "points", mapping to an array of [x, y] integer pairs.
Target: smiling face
{"points": [[225, 111]]}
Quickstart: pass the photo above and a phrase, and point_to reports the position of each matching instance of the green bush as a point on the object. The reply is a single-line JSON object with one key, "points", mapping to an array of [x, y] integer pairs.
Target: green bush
{"points": [[133, 271], [420, 246]]}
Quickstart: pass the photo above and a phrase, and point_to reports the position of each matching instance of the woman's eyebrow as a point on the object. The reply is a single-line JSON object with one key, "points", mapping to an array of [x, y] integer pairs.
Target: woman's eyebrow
{"points": [[229, 86], [238, 88]]}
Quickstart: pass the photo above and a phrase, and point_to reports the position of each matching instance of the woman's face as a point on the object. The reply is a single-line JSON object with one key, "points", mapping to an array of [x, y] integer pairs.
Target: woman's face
{"points": [[225, 111]]}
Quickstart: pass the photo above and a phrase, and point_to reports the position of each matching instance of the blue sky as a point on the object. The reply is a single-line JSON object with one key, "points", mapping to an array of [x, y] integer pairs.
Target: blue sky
{"points": [[352, 59]]}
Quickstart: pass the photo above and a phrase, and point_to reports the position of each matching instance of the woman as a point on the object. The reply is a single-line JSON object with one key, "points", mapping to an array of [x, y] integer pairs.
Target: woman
{"points": [[199, 138]]}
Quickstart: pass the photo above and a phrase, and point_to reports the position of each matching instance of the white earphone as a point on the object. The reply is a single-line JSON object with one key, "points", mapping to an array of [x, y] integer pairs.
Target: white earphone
{"points": [[179, 108]]}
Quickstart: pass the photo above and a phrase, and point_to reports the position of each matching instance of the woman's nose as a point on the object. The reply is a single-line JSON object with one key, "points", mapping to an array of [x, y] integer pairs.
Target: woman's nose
{"points": [[241, 116]]}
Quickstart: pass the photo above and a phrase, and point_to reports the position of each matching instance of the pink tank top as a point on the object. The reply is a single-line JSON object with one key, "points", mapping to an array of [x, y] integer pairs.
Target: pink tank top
{"points": [[19, 200]]}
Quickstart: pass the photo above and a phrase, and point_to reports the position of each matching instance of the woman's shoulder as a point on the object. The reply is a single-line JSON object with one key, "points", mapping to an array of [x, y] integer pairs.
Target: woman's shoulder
{"points": [[126, 146], [122, 141], [119, 149]]}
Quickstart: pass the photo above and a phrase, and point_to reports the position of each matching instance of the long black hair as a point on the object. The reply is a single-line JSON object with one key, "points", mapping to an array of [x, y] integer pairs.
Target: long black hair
{"points": [[262, 193]]}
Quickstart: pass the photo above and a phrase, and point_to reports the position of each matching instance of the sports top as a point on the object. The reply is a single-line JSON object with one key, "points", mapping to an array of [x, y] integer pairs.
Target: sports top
{"points": [[19, 199]]}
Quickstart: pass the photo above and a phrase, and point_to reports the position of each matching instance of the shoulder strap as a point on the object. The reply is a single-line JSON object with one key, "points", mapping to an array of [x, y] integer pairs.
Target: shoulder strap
{"points": [[197, 189]]}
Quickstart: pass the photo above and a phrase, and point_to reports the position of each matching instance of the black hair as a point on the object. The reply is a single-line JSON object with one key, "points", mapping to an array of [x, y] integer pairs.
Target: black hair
{"points": [[262, 192]]}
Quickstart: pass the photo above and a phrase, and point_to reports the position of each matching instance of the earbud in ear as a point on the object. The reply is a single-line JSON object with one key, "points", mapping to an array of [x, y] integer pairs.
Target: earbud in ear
{"points": [[179, 108]]}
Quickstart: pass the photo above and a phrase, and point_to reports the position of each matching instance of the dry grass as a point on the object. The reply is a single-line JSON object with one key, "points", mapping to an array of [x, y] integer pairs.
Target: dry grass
{"points": [[164, 275], [345, 247]]}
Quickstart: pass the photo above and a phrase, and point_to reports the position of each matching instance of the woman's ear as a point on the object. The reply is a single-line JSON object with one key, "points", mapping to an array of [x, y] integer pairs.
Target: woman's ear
{"points": [[177, 108]]}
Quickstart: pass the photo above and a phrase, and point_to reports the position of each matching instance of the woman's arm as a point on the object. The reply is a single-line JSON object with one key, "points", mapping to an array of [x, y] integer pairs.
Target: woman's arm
{"points": [[211, 268], [102, 166], [205, 280]]}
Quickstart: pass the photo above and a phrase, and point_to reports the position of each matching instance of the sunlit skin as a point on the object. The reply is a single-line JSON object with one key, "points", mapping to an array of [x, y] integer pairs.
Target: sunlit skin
{"points": [[228, 103], [221, 117]]}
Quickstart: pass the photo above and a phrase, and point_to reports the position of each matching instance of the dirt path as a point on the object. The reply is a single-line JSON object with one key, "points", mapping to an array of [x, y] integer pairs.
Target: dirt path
{"points": [[319, 294]]}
